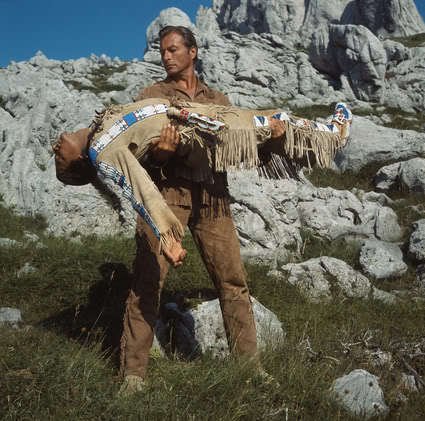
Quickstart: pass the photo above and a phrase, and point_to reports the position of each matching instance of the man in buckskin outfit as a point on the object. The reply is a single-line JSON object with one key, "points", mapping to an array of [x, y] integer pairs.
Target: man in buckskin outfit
{"points": [[201, 206]]}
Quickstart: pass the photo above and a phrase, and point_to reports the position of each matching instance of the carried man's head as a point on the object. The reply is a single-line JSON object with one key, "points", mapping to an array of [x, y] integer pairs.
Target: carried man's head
{"points": [[72, 164], [179, 50]]}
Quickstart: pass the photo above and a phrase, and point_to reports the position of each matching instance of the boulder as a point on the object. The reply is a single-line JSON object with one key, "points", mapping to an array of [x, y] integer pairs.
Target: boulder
{"points": [[355, 52], [417, 241], [360, 394], [201, 329], [386, 144], [326, 278], [382, 260]]}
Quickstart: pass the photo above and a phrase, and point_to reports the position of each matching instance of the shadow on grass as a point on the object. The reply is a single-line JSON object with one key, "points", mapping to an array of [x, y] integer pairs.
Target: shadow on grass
{"points": [[100, 319]]}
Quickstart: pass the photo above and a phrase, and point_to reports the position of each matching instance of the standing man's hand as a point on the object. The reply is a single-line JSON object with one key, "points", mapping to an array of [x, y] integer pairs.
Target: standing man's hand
{"points": [[163, 147], [277, 128]]}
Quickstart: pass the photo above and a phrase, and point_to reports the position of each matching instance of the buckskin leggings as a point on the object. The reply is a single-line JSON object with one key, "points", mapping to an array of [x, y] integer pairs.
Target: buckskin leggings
{"points": [[218, 245]]}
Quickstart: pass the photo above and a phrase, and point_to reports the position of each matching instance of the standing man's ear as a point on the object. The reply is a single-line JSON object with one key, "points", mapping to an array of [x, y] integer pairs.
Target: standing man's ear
{"points": [[193, 53]]}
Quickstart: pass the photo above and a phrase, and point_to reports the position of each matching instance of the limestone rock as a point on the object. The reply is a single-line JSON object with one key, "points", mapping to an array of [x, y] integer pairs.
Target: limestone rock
{"points": [[10, 316], [245, 16], [396, 52], [325, 278], [412, 175], [395, 18], [386, 178], [417, 240], [203, 329], [360, 394], [353, 51], [386, 144], [170, 16], [382, 260], [408, 176]]}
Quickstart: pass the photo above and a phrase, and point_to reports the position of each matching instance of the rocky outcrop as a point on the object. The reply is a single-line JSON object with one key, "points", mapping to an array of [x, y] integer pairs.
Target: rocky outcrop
{"points": [[407, 176], [355, 52], [269, 216], [371, 143], [42, 97], [326, 278], [246, 16], [382, 17]]}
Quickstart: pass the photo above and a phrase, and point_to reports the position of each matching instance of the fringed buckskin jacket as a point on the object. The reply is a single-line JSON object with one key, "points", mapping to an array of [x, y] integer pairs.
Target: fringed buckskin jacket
{"points": [[213, 138]]}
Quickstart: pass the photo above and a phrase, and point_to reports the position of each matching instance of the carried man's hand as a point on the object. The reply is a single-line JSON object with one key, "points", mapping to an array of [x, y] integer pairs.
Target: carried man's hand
{"points": [[175, 254], [166, 144]]}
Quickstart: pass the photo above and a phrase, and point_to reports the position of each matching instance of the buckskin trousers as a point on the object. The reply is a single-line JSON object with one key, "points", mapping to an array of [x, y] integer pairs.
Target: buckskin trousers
{"points": [[218, 244]]}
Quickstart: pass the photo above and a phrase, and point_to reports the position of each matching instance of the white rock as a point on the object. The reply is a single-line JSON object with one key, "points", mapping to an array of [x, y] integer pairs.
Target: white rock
{"points": [[10, 316], [385, 144], [417, 240], [360, 394], [382, 260], [325, 278], [210, 334]]}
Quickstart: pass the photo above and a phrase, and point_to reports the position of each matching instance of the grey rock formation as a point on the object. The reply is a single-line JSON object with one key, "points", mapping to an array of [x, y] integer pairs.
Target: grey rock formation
{"points": [[386, 178], [42, 97], [270, 213], [382, 260], [395, 18], [10, 317], [371, 143], [408, 176], [417, 241], [209, 330], [170, 16], [396, 52], [355, 52], [360, 394], [326, 278], [246, 16]]}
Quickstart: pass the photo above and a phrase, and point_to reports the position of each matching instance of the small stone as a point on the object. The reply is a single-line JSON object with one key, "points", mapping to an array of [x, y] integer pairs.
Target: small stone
{"points": [[10, 316]]}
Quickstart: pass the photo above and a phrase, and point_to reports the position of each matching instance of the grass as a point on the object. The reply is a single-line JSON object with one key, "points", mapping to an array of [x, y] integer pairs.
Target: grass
{"points": [[62, 363], [399, 119], [99, 78], [416, 40]]}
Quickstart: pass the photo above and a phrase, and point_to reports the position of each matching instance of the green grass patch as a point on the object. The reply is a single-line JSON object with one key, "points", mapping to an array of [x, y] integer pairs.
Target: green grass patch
{"points": [[362, 179], [416, 40], [61, 364], [13, 226], [99, 78]]}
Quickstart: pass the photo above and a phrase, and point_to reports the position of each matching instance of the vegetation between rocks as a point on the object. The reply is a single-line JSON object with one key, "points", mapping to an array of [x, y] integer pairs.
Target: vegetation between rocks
{"points": [[99, 78], [416, 40], [61, 364]]}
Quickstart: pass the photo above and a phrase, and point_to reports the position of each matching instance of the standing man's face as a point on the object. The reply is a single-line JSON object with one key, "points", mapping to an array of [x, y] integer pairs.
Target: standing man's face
{"points": [[176, 57]]}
